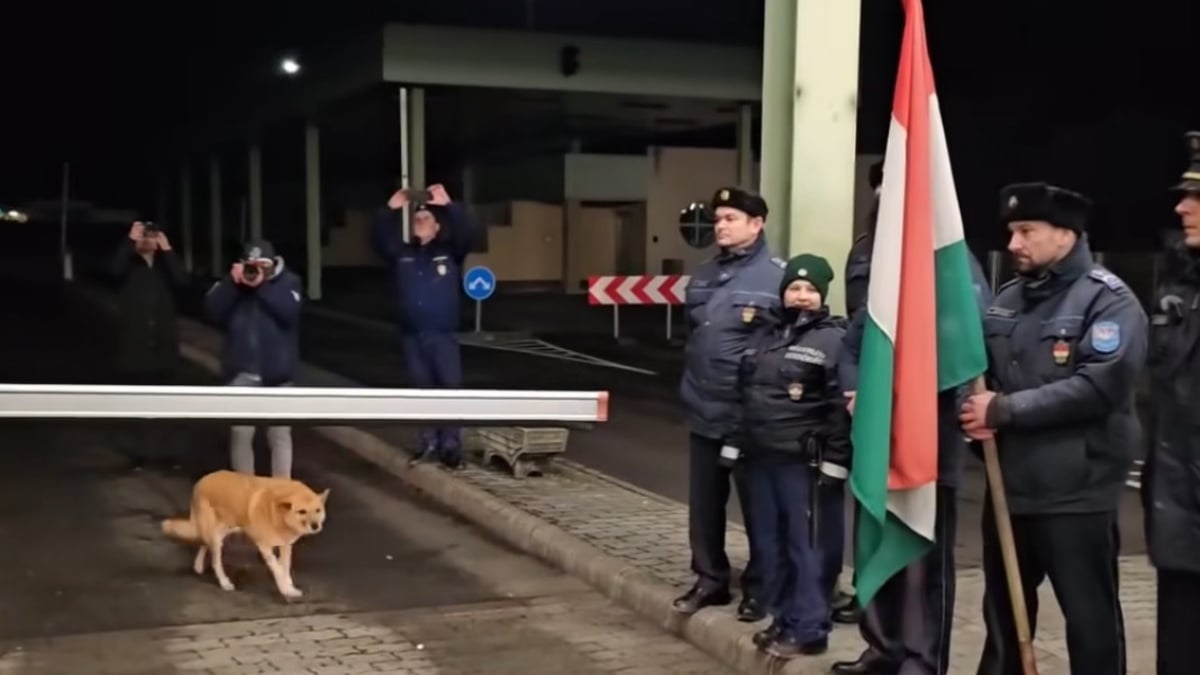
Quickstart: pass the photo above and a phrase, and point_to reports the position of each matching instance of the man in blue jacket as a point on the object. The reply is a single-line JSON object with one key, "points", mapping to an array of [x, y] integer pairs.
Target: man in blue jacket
{"points": [[728, 299], [426, 274], [258, 308]]}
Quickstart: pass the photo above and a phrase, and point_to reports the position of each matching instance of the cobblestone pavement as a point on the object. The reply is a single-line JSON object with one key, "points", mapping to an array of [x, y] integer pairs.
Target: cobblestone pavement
{"points": [[582, 634]]}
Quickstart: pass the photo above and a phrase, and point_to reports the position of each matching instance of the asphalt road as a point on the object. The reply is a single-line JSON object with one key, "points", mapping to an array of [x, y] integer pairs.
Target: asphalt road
{"points": [[83, 554]]}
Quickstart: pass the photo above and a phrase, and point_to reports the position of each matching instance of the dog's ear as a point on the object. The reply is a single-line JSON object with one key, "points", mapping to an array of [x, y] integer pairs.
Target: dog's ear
{"points": [[324, 495], [285, 504]]}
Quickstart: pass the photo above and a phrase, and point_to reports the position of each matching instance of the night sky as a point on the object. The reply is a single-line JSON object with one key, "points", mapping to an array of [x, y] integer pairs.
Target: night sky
{"points": [[1094, 95]]}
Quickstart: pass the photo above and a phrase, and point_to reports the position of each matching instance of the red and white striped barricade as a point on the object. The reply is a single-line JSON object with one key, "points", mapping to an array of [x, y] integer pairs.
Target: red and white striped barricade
{"points": [[641, 289]]}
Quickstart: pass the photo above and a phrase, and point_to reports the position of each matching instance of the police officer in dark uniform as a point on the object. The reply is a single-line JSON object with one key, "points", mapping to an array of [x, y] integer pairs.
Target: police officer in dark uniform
{"points": [[1171, 476], [727, 299], [796, 440], [907, 624], [858, 276], [427, 276], [1066, 341], [858, 261]]}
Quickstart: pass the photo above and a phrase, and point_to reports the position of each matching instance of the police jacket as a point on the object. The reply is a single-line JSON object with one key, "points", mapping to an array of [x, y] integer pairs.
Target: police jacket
{"points": [[147, 336], [789, 389], [858, 265], [951, 443], [1171, 477], [426, 278], [261, 325], [1065, 349], [727, 300]]}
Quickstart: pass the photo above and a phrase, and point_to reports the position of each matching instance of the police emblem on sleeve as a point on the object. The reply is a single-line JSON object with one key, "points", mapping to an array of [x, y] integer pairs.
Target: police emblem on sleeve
{"points": [[441, 270], [1106, 337], [795, 391], [747, 314]]}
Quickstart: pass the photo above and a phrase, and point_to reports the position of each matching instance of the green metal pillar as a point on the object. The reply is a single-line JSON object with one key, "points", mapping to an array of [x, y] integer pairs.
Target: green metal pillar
{"points": [[810, 118], [775, 169]]}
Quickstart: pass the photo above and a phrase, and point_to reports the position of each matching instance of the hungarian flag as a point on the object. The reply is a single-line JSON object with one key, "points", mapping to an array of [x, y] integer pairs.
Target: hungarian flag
{"points": [[922, 333]]}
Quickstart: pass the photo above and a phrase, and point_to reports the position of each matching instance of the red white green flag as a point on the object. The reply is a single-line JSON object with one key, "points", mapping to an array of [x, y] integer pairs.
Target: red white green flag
{"points": [[922, 333]]}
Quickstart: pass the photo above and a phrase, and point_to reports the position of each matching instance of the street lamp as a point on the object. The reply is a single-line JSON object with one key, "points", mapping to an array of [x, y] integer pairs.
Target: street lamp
{"points": [[289, 66]]}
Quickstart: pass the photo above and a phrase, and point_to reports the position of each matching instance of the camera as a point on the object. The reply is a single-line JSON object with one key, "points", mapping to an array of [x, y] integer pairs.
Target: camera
{"points": [[250, 271], [415, 196], [150, 228]]}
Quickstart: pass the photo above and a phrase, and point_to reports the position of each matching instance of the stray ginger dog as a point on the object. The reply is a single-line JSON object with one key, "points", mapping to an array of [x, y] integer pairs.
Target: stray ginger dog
{"points": [[272, 512]]}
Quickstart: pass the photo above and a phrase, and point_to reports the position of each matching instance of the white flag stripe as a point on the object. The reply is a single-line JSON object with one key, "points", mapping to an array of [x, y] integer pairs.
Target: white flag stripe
{"points": [[947, 217], [883, 297]]}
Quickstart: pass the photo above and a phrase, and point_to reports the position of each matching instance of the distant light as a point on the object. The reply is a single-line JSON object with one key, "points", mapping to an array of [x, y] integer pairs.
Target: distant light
{"points": [[16, 216], [289, 66]]}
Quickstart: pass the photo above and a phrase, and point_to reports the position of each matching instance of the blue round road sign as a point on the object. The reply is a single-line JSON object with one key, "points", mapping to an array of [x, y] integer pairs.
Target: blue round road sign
{"points": [[479, 283]]}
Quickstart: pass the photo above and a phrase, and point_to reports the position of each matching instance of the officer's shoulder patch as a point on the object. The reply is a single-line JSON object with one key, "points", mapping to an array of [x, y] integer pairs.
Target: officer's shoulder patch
{"points": [[1002, 312], [1106, 336], [1107, 278], [778, 262]]}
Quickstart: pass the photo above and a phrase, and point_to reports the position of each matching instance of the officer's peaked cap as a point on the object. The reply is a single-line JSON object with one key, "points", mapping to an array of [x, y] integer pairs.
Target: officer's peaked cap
{"points": [[1049, 203], [749, 203]]}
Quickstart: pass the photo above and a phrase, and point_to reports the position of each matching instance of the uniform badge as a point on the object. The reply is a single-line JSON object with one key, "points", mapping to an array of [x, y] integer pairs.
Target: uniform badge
{"points": [[1012, 202], [747, 314], [795, 391], [1062, 352], [802, 272], [441, 270], [1106, 337], [724, 196]]}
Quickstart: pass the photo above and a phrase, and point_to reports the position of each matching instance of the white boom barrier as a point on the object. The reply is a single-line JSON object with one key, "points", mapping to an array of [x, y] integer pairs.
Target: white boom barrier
{"points": [[300, 404]]}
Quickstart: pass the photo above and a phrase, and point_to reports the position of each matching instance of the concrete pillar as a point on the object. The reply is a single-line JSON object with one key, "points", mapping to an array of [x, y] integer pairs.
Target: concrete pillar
{"points": [[405, 150], [256, 193], [810, 115], [778, 92], [215, 233], [824, 130], [185, 215], [416, 137], [312, 193], [745, 147]]}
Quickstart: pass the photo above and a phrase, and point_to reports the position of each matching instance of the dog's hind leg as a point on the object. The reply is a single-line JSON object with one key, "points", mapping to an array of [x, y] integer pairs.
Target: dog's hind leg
{"points": [[215, 544], [198, 564]]}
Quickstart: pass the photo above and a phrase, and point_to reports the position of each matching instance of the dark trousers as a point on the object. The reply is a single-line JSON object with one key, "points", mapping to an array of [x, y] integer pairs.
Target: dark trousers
{"points": [[147, 441], [708, 492], [831, 535], [1078, 552], [793, 569], [434, 360], [1178, 632], [908, 621]]}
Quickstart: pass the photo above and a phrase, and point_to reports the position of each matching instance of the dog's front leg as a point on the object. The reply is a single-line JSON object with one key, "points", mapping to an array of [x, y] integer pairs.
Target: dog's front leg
{"points": [[216, 546], [285, 559], [283, 579]]}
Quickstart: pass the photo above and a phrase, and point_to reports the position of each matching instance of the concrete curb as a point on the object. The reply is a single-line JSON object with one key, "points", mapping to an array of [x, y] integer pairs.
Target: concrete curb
{"points": [[714, 631]]}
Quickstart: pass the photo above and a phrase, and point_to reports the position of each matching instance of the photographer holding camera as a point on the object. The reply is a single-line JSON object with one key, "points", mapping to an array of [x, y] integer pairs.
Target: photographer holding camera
{"points": [[148, 274], [258, 307], [427, 275]]}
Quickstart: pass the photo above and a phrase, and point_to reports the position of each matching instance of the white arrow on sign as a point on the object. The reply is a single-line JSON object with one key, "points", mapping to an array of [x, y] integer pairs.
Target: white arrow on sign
{"points": [[478, 283]]}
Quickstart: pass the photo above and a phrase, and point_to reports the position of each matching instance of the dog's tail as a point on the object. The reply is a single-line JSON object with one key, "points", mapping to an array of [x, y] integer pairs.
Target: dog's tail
{"points": [[180, 528]]}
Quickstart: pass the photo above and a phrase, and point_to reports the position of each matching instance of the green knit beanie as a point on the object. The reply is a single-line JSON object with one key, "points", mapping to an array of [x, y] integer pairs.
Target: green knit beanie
{"points": [[812, 268]]}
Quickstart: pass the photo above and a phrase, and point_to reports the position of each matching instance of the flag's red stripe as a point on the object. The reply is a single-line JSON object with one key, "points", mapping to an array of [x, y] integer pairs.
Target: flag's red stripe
{"points": [[914, 417]]}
